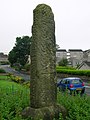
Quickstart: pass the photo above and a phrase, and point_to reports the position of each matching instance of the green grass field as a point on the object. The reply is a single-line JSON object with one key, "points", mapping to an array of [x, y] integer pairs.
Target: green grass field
{"points": [[15, 97]]}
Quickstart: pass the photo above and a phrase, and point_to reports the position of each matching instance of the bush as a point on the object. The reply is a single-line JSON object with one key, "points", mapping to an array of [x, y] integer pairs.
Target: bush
{"points": [[63, 62], [27, 67], [78, 107], [73, 72], [27, 83], [4, 63], [16, 79], [65, 67], [2, 70]]}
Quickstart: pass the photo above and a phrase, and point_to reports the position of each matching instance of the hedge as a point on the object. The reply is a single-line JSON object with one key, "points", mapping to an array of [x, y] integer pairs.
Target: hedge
{"points": [[73, 72]]}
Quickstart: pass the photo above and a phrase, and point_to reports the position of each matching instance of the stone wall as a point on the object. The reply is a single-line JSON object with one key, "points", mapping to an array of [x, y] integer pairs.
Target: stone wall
{"points": [[84, 78]]}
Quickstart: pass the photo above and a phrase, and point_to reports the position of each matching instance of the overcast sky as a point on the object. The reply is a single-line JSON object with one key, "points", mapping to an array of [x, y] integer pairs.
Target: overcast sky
{"points": [[72, 21]]}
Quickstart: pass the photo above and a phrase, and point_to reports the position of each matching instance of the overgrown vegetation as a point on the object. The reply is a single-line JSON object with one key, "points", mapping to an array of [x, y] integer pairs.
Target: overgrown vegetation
{"points": [[15, 97]]}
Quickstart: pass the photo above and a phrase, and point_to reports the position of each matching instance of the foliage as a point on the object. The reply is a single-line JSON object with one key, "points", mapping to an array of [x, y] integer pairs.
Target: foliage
{"points": [[20, 52], [12, 56], [27, 83], [4, 62], [78, 107], [14, 78], [63, 62], [27, 67], [13, 99], [73, 72], [2, 70], [65, 67]]}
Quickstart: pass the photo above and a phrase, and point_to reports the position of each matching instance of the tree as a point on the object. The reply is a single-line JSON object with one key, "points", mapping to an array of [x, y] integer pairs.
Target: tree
{"points": [[63, 62], [20, 52], [12, 56]]}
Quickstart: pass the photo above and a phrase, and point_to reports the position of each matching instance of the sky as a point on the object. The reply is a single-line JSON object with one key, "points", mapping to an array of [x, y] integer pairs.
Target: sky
{"points": [[72, 22]]}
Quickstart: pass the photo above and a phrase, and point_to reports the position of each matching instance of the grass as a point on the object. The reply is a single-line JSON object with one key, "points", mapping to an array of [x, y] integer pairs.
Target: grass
{"points": [[15, 97], [3, 77]]}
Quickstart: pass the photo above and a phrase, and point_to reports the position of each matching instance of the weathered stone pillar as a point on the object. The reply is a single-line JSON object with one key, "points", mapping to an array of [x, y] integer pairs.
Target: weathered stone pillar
{"points": [[43, 83], [43, 50]]}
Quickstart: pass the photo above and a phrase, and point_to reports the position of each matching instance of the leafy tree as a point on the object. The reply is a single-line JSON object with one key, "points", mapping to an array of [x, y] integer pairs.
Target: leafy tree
{"points": [[21, 50], [63, 62], [12, 56]]}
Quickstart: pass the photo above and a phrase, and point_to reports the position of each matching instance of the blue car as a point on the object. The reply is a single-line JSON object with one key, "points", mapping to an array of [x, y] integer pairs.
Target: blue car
{"points": [[72, 84]]}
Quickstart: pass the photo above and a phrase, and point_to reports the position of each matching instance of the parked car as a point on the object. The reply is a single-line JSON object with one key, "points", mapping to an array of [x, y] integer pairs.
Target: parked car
{"points": [[72, 84]]}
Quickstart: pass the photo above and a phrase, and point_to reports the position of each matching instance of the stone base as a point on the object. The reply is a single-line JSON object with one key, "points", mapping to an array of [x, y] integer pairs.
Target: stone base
{"points": [[45, 113]]}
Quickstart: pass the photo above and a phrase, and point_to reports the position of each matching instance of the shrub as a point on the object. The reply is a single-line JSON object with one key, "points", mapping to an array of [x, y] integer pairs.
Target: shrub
{"points": [[4, 63], [27, 67], [78, 107], [27, 83], [16, 78], [73, 72], [2, 70]]}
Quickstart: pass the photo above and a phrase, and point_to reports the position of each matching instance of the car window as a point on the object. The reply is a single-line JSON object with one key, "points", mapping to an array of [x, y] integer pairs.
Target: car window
{"points": [[76, 81], [63, 81], [68, 82]]}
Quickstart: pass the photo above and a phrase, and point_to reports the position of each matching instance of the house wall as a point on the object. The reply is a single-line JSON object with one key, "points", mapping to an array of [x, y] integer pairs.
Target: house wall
{"points": [[3, 57], [76, 57], [60, 54], [86, 55]]}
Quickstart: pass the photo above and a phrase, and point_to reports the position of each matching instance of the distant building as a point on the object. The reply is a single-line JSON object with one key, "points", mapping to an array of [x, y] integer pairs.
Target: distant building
{"points": [[60, 54], [85, 65], [76, 57], [86, 55], [3, 57]]}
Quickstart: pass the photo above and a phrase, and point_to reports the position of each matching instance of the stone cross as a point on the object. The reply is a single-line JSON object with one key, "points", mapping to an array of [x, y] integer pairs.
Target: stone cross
{"points": [[43, 83], [43, 50]]}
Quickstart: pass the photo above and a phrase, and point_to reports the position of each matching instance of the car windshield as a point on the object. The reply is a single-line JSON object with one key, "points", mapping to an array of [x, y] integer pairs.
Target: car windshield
{"points": [[76, 81]]}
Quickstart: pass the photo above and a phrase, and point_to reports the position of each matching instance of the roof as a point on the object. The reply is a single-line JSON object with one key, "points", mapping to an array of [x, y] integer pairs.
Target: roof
{"points": [[88, 63], [61, 50], [75, 50], [71, 78], [84, 62], [87, 51]]}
